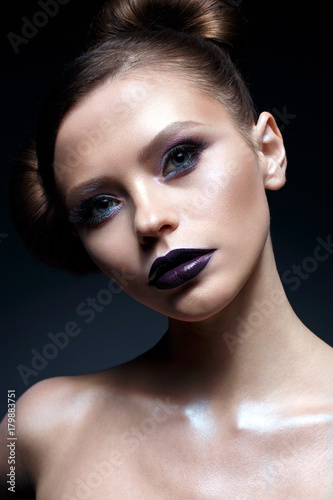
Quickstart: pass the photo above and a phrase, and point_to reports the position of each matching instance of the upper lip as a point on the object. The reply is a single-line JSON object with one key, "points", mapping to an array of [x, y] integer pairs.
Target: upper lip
{"points": [[173, 259]]}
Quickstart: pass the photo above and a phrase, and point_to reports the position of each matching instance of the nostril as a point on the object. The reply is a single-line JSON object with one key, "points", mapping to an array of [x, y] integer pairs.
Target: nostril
{"points": [[151, 221], [148, 238], [147, 241]]}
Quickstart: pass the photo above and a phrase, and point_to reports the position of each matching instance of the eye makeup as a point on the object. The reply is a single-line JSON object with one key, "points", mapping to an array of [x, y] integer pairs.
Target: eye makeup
{"points": [[181, 158], [94, 210], [178, 159]]}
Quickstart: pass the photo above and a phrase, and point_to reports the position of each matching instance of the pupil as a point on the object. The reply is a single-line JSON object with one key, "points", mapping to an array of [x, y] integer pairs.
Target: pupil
{"points": [[102, 205], [180, 157]]}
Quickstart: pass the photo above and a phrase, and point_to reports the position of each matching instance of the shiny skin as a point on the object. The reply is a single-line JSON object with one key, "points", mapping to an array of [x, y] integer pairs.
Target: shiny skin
{"points": [[221, 204], [235, 401]]}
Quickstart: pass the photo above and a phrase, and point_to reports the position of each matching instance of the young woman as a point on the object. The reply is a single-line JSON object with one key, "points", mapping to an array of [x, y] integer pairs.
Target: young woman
{"points": [[151, 164]]}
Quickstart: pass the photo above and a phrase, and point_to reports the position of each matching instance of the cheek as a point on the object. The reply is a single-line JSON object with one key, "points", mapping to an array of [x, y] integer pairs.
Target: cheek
{"points": [[229, 192], [246, 214], [244, 224], [111, 248], [245, 200], [232, 210]]}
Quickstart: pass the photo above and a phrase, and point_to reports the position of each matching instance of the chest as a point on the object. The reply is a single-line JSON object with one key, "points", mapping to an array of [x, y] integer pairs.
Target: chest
{"points": [[152, 464]]}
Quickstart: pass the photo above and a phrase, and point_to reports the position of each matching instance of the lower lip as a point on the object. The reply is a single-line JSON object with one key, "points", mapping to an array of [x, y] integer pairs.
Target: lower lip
{"points": [[180, 274]]}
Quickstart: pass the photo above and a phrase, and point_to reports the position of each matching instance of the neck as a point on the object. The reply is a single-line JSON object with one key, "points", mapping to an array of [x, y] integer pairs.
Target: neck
{"points": [[247, 350]]}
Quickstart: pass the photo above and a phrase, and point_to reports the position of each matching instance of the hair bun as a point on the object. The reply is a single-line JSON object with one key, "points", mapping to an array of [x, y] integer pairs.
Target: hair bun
{"points": [[211, 19], [43, 230]]}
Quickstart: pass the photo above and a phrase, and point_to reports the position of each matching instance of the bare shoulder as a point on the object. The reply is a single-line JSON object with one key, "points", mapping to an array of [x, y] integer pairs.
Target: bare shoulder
{"points": [[44, 404], [47, 416], [34, 413], [55, 404]]}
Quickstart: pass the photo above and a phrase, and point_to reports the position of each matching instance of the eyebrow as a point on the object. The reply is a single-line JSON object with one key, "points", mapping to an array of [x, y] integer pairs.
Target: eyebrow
{"points": [[159, 140], [153, 148], [86, 188]]}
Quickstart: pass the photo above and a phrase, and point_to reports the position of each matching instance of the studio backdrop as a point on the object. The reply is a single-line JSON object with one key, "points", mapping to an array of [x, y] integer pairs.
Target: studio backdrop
{"points": [[54, 323]]}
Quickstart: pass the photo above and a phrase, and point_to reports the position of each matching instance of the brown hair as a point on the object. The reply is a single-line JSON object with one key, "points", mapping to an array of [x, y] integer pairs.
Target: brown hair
{"points": [[187, 36]]}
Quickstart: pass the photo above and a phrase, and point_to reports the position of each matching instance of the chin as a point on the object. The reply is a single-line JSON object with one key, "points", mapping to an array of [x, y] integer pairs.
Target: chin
{"points": [[196, 303], [209, 297]]}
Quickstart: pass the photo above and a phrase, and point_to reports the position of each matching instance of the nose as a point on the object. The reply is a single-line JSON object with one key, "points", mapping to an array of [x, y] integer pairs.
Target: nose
{"points": [[155, 215]]}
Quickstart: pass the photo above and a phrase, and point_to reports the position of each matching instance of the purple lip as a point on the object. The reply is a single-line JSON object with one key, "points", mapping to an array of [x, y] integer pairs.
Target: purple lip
{"points": [[177, 267]]}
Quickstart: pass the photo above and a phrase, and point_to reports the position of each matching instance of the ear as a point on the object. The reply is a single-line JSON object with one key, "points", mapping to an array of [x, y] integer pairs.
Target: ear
{"points": [[271, 151]]}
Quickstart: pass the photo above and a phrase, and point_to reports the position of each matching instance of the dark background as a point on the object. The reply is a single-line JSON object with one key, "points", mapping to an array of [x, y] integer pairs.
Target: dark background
{"points": [[285, 56]]}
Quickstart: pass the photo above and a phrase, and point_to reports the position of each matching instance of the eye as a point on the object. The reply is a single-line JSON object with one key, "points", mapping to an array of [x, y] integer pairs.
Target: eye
{"points": [[93, 211], [181, 159], [101, 206]]}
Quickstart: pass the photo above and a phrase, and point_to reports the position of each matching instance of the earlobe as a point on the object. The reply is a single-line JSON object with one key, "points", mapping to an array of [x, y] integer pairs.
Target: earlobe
{"points": [[271, 150]]}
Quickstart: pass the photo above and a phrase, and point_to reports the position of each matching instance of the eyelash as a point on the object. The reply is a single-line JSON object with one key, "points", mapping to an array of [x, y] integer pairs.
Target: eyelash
{"points": [[194, 148], [82, 214]]}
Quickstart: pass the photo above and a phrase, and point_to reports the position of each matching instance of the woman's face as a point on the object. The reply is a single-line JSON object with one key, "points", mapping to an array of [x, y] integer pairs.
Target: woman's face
{"points": [[146, 165]]}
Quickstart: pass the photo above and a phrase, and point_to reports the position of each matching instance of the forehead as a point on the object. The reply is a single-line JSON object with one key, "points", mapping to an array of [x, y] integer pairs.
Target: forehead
{"points": [[120, 116], [125, 100]]}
